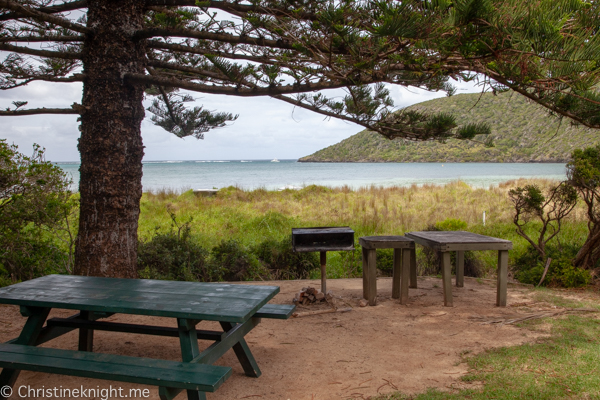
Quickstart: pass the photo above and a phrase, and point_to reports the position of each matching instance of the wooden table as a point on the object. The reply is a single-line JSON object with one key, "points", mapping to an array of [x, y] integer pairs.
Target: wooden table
{"points": [[459, 241], [238, 309], [404, 265]]}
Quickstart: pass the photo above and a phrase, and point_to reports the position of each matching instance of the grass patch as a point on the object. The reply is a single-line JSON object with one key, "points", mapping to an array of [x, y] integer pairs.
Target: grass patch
{"points": [[564, 366]]}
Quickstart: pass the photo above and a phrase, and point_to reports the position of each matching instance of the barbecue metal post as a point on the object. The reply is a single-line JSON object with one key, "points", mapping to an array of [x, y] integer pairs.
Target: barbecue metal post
{"points": [[324, 272]]}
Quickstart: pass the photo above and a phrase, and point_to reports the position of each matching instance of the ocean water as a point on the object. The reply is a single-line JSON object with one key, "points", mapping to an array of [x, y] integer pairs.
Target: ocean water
{"points": [[254, 174]]}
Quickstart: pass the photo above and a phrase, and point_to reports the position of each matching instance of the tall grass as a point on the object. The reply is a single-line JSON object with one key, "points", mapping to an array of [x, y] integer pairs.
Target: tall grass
{"points": [[251, 217]]}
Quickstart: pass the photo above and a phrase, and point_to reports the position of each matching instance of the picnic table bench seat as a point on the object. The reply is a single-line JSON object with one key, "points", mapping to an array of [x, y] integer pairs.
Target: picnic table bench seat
{"points": [[147, 371], [276, 311]]}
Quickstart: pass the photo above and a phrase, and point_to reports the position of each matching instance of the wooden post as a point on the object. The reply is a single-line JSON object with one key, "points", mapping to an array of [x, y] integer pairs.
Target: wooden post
{"points": [[502, 278], [398, 274], [86, 336], [413, 268], [324, 272], [372, 277], [447, 283], [365, 268], [405, 274], [460, 268]]}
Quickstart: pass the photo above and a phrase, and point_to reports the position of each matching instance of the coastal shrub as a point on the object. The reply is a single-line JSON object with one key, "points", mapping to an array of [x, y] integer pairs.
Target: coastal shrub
{"points": [[529, 267], [174, 256], [283, 262], [35, 205], [235, 262], [429, 262]]}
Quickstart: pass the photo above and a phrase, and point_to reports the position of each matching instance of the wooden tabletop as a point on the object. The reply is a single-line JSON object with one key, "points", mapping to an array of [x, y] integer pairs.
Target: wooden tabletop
{"points": [[458, 241], [191, 300], [386, 242]]}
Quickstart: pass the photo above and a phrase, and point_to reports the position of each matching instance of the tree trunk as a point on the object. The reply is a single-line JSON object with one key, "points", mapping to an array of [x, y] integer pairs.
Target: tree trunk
{"points": [[111, 143]]}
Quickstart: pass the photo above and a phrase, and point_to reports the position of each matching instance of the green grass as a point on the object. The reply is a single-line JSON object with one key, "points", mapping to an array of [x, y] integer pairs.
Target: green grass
{"points": [[564, 366]]}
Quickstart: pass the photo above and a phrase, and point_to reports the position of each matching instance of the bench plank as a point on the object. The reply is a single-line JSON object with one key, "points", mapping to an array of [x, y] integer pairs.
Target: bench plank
{"points": [[276, 311], [147, 371]]}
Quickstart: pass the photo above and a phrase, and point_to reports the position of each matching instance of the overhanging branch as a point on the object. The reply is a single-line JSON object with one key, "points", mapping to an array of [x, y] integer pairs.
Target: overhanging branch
{"points": [[41, 16], [38, 111], [41, 53], [48, 10], [233, 91]]}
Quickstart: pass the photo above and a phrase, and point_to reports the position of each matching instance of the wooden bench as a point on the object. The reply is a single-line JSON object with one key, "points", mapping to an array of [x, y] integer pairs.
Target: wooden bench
{"points": [[276, 311], [146, 371], [404, 256]]}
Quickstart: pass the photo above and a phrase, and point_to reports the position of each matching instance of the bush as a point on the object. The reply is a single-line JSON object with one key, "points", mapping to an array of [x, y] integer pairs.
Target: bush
{"points": [[174, 257], [35, 203], [283, 262], [529, 268], [234, 262]]}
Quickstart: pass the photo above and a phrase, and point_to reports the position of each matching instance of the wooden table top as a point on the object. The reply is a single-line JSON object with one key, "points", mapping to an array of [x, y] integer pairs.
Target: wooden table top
{"points": [[458, 240], [191, 300], [386, 242]]}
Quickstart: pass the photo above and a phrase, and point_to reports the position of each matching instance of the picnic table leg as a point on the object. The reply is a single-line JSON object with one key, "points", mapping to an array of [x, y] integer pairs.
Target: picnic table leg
{"points": [[405, 273], [502, 278], [29, 334], [86, 336], [188, 340], [370, 276], [243, 353], [447, 283], [460, 268], [413, 268], [397, 274]]}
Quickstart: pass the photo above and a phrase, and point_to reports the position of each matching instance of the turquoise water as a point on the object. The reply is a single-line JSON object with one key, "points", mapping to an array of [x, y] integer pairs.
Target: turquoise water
{"points": [[253, 174]]}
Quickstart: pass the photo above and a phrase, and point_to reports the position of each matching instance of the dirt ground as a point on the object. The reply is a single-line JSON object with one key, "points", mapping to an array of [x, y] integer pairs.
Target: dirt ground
{"points": [[351, 355]]}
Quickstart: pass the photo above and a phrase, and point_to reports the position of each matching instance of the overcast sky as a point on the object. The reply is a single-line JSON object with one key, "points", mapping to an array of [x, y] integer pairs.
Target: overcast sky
{"points": [[266, 128]]}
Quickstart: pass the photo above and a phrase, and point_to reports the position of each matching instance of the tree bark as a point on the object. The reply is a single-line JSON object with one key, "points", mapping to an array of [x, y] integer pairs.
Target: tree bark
{"points": [[111, 143]]}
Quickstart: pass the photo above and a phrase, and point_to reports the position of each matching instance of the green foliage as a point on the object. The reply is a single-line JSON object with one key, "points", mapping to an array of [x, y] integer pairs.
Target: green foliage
{"points": [[235, 262], [529, 267], [283, 262], [451, 224], [35, 210], [174, 257]]}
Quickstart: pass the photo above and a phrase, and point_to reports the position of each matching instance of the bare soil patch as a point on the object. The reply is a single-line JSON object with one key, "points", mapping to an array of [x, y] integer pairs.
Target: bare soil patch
{"points": [[352, 355]]}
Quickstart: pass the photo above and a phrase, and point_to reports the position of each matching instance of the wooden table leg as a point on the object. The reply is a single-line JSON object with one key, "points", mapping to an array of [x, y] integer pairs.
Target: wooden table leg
{"points": [[405, 274], [243, 353], [397, 274], [460, 268], [86, 336], [413, 268], [371, 276], [29, 334], [501, 293], [188, 340], [446, 278]]}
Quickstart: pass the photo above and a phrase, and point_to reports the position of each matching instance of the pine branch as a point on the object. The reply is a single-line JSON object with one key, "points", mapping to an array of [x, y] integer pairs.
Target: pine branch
{"points": [[236, 7], [234, 91], [48, 10], [38, 111], [154, 44], [33, 38], [41, 53], [41, 16]]}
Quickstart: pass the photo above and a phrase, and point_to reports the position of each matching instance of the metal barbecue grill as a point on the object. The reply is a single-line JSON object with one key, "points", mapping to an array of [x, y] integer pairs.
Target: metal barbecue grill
{"points": [[323, 239]]}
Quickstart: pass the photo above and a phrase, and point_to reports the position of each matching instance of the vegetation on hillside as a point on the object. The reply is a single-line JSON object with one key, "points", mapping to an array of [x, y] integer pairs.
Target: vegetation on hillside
{"points": [[522, 131]]}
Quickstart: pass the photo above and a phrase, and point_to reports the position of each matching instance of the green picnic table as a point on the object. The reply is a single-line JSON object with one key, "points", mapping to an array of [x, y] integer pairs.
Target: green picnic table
{"points": [[238, 309]]}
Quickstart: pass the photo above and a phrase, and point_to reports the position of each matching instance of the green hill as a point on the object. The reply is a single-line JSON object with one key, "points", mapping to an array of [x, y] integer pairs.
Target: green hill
{"points": [[522, 132]]}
